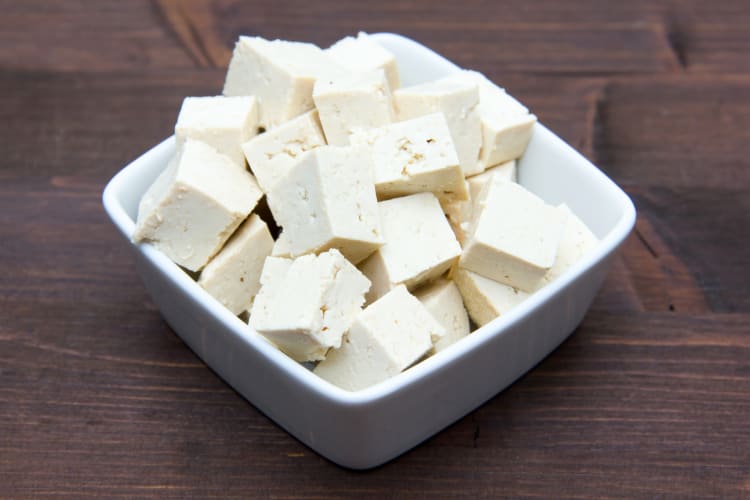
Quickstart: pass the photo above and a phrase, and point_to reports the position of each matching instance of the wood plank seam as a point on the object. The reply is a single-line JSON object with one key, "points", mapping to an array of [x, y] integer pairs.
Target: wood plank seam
{"points": [[662, 281], [193, 22], [675, 38]]}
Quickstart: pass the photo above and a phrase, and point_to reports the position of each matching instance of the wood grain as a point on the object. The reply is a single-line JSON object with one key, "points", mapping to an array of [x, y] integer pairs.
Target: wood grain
{"points": [[685, 132], [54, 114], [86, 36], [710, 37], [649, 398]]}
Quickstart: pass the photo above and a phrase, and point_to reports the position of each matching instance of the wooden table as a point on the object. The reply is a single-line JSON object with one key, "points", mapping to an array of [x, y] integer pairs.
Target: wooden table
{"points": [[651, 395]]}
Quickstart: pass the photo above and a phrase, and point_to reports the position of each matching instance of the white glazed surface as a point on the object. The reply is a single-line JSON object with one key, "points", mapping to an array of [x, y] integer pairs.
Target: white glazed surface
{"points": [[367, 428]]}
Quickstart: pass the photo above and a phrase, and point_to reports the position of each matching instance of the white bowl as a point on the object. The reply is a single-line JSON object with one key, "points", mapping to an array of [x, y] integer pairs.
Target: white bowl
{"points": [[367, 428]]}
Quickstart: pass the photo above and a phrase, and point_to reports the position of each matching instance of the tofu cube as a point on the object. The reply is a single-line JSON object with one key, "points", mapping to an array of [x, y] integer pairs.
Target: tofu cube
{"points": [[221, 122], [419, 245], [577, 241], [457, 99], [389, 336], [414, 156], [327, 200], [507, 125], [350, 101], [459, 213], [484, 298], [305, 305], [195, 205], [273, 153], [443, 301], [233, 276], [363, 54], [514, 236], [281, 74]]}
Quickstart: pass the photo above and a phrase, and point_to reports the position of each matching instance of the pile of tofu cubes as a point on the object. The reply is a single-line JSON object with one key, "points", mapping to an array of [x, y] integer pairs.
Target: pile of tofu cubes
{"points": [[397, 206]]}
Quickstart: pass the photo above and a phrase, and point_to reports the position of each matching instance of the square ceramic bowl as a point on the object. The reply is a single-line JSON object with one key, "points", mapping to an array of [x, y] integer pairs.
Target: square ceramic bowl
{"points": [[367, 428]]}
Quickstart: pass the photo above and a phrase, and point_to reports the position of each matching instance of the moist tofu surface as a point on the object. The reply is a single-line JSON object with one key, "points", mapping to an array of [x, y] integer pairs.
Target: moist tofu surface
{"points": [[279, 73], [273, 153], [348, 102], [458, 100], [514, 236], [195, 205], [362, 53], [506, 124], [577, 240], [444, 302], [460, 213], [414, 156], [327, 200], [222, 122], [486, 299], [305, 305], [233, 275], [419, 245]]}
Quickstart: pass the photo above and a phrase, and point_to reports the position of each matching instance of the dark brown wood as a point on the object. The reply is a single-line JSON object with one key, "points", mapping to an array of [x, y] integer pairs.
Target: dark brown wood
{"points": [[650, 397]]}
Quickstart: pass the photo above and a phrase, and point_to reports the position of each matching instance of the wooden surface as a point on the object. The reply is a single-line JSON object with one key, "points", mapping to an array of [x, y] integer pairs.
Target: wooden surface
{"points": [[650, 397]]}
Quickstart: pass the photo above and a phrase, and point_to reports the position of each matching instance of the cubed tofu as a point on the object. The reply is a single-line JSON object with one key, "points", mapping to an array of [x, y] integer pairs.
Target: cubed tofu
{"points": [[280, 73], [389, 336], [457, 99], [459, 213], [362, 54], [414, 156], [327, 200], [272, 153], [507, 125], [195, 205], [305, 305], [576, 242], [233, 276], [352, 101], [443, 300], [221, 122], [486, 299], [419, 245], [514, 236]]}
